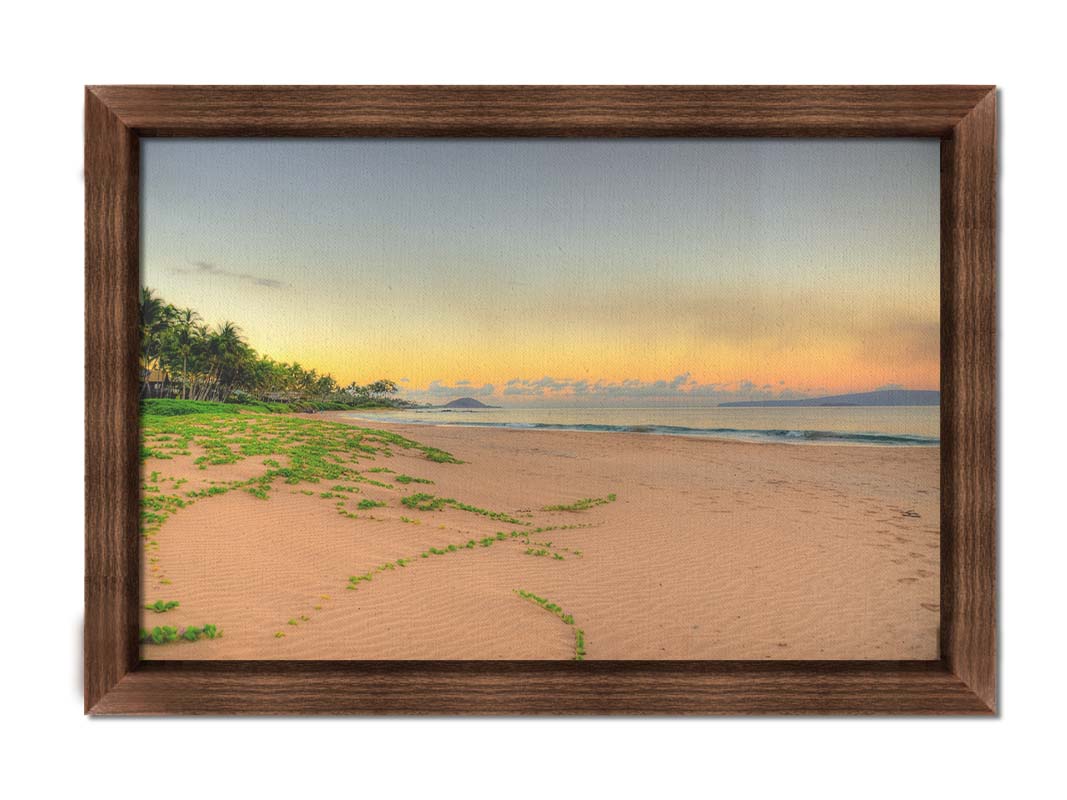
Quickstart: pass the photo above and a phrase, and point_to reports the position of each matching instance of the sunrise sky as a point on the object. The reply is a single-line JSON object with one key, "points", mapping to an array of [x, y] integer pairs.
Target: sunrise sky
{"points": [[560, 271]]}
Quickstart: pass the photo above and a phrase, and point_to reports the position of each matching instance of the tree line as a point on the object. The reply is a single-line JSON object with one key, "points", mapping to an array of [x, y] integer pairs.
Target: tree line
{"points": [[182, 357]]}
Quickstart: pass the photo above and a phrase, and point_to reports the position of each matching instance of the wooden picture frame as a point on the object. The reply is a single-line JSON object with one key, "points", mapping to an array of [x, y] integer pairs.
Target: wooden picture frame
{"points": [[963, 681]]}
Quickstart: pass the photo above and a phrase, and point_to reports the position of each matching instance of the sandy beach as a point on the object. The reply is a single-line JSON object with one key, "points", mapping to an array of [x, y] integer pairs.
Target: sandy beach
{"points": [[694, 548]]}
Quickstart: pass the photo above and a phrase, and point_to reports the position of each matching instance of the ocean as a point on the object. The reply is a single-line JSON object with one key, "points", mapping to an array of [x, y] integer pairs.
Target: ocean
{"points": [[858, 425]]}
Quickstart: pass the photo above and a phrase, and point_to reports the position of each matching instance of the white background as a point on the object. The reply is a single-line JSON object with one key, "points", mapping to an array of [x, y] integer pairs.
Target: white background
{"points": [[49, 52]]}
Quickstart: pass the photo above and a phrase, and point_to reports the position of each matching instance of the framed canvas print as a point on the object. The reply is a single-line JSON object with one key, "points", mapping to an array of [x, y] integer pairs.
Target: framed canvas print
{"points": [[540, 400]]}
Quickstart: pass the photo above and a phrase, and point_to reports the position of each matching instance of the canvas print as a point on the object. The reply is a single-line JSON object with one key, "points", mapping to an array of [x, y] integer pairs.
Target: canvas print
{"points": [[540, 399]]}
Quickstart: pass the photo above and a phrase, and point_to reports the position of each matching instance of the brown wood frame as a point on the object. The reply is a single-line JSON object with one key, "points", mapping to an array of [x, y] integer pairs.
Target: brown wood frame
{"points": [[963, 681]]}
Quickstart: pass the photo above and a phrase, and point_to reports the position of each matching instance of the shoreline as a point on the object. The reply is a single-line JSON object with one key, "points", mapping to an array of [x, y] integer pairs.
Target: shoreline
{"points": [[753, 436]]}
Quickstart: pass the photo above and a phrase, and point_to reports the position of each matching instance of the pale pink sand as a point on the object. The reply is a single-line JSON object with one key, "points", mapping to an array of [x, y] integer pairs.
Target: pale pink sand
{"points": [[713, 550]]}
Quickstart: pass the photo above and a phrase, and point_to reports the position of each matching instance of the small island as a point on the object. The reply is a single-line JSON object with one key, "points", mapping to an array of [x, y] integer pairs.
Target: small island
{"points": [[466, 402]]}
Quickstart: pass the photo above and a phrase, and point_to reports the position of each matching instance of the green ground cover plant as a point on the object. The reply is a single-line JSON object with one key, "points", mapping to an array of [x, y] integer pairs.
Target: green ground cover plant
{"points": [[330, 460], [420, 501], [406, 479], [314, 452], [567, 619], [162, 606], [169, 634], [582, 505], [317, 451], [517, 536]]}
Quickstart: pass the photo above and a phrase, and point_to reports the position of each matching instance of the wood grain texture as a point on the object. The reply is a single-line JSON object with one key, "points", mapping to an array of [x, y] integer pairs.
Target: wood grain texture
{"points": [[963, 681], [112, 482], [498, 688], [541, 110], [968, 397]]}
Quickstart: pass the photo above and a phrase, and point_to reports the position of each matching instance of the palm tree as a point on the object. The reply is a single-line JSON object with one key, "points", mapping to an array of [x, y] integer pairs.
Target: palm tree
{"points": [[228, 349], [214, 363], [379, 389], [185, 335], [156, 316], [325, 386]]}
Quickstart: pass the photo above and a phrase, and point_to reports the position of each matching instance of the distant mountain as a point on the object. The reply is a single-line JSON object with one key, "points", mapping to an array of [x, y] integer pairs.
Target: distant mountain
{"points": [[883, 397], [466, 402]]}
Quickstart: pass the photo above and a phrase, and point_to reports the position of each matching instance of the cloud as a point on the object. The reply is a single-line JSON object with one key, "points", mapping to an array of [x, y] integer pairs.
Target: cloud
{"points": [[681, 390], [678, 390], [208, 268], [437, 390]]}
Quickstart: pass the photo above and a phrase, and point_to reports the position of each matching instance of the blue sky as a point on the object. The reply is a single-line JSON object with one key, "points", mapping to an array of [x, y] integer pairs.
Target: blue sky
{"points": [[561, 270]]}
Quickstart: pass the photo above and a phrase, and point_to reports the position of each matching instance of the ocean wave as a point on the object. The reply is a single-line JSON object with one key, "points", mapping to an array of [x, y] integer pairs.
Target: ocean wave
{"points": [[768, 435]]}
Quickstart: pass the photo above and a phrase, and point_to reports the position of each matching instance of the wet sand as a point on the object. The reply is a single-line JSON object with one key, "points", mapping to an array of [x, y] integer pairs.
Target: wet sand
{"points": [[711, 550]]}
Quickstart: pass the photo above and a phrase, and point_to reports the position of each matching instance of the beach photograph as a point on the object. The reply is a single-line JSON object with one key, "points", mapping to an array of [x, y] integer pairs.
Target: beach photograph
{"points": [[540, 399]]}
